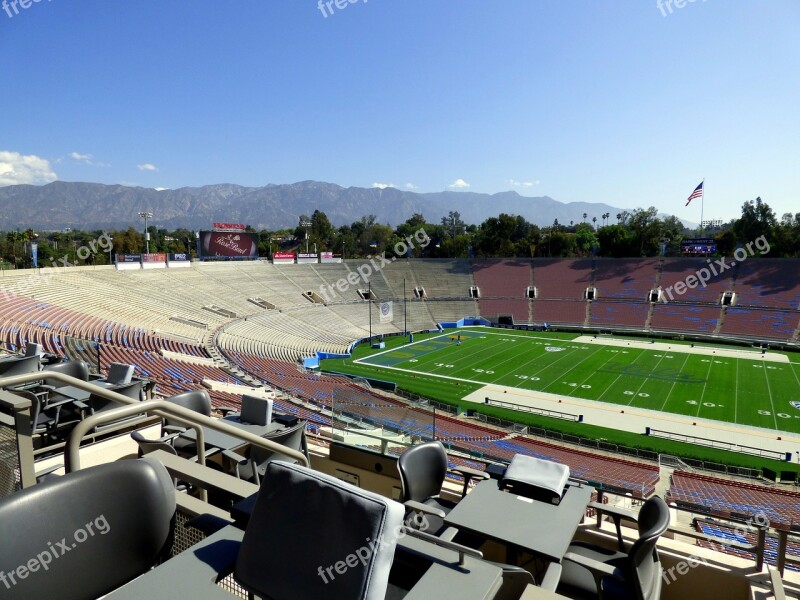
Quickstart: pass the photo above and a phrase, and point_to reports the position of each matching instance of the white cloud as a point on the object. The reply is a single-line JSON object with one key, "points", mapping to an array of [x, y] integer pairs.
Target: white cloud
{"points": [[459, 184], [411, 186], [147, 167], [382, 186], [87, 158], [17, 169], [524, 184]]}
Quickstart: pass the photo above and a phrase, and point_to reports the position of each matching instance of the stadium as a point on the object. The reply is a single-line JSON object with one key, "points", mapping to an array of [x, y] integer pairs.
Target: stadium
{"points": [[580, 361], [341, 300]]}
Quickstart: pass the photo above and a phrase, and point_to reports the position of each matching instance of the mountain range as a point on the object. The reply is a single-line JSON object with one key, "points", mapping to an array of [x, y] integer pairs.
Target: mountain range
{"points": [[60, 204]]}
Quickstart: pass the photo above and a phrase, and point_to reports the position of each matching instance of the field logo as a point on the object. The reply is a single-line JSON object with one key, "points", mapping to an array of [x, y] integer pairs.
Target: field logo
{"points": [[553, 349], [795, 404]]}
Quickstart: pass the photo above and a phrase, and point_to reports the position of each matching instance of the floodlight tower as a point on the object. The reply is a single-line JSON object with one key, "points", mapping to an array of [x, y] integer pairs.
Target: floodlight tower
{"points": [[146, 215]]}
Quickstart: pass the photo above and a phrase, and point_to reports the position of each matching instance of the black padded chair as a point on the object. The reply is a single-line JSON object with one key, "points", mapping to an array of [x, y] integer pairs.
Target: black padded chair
{"points": [[50, 420], [74, 368], [590, 571], [283, 556], [86, 533], [197, 400], [255, 464], [422, 471]]}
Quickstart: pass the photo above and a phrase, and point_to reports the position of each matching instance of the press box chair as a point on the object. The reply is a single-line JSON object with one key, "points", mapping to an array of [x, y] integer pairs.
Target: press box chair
{"points": [[86, 533], [283, 554], [422, 471], [591, 571]]}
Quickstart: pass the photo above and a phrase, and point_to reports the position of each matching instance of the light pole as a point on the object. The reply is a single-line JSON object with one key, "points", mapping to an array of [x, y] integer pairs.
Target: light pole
{"points": [[146, 215], [110, 248], [306, 224]]}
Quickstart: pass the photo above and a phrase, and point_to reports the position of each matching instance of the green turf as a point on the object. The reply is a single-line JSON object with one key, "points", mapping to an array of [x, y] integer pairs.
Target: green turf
{"points": [[736, 390]]}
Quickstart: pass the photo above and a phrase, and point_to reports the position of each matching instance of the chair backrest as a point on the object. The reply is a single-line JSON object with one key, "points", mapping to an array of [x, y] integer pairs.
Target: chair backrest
{"points": [[74, 368], [285, 558], [255, 410], [86, 533], [131, 390], [653, 521], [120, 374], [197, 400], [19, 366], [33, 349], [422, 471], [292, 437], [147, 446]]}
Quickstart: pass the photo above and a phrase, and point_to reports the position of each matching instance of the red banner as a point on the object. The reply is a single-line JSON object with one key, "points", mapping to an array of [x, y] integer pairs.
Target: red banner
{"points": [[229, 226], [283, 255]]}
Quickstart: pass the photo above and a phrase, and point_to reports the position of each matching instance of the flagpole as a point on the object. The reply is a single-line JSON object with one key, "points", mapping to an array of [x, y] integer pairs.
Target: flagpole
{"points": [[369, 307], [702, 203]]}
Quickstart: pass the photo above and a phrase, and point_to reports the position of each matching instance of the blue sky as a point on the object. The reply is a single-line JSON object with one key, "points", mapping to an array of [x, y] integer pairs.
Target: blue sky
{"points": [[614, 101]]}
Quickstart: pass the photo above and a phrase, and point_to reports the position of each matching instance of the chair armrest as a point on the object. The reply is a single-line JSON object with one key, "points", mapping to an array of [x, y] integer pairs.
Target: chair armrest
{"points": [[235, 457], [424, 508], [226, 409], [616, 514], [81, 405], [61, 402], [596, 568], [551, 577], [173, 429], [470, 472]]}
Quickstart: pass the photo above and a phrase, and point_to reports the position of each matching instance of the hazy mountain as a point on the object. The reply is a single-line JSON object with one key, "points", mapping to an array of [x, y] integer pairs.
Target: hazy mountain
{"points": [[98, 206]]}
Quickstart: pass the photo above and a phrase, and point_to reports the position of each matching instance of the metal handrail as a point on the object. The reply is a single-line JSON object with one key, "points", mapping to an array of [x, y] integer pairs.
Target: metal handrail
{"points": [[159, 408]]}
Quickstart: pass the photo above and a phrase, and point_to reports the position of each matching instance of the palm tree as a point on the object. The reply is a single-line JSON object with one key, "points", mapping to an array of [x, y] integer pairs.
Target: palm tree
{"points": [[584, 217], [594, 220]]}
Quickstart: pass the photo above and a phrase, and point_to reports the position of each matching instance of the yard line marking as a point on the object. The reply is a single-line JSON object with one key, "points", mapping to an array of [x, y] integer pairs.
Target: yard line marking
{"points": [[736, 396], [674, 383], [705, 385], [772, 404], [573, 368], [613, 383]]}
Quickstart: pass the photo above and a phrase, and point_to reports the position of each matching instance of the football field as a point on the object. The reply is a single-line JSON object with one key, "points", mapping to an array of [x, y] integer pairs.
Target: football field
{"points": [[735, 385]]}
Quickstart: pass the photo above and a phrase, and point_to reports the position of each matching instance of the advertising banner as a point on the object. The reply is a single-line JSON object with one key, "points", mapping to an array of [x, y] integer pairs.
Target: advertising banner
{"points": [[216, 244], [229, 226], [330, 257], [282, 258], [307, 258], [129, 258], [157, 257]]}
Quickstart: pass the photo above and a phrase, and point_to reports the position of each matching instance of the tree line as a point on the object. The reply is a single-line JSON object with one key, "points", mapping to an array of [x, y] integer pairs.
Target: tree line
{"points": [[639, 233]]}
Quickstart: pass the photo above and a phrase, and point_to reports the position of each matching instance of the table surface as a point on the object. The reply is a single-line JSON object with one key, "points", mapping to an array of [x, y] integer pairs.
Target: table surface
{"points": [[538, 527], [217, 439], [73, 392]]}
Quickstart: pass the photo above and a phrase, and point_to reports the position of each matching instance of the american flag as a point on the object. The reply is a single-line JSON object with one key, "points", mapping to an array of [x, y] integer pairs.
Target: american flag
{"points": [[697, 193]]}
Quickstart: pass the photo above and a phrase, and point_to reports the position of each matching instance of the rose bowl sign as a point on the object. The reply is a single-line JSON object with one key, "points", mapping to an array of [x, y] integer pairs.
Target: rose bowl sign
{"points": [[217, 244]]}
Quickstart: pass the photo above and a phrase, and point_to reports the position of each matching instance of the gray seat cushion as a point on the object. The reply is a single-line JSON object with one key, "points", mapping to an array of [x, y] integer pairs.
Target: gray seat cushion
{"points": [[329, 548]]}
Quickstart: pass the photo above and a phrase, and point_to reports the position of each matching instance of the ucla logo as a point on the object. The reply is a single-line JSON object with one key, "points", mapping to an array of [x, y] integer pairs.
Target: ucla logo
{"points": [[795, 404], [553, 349]]}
